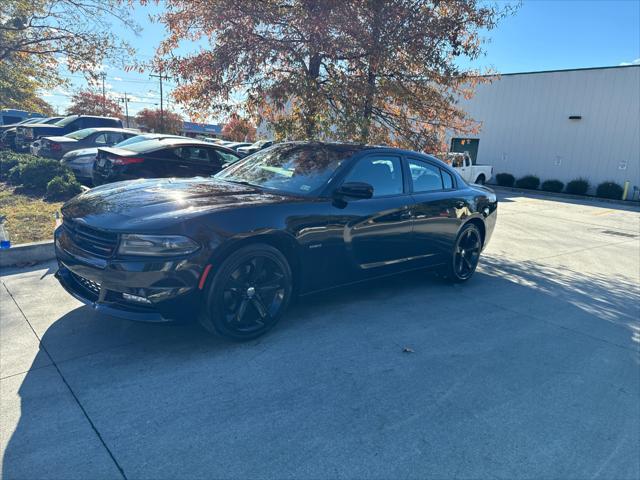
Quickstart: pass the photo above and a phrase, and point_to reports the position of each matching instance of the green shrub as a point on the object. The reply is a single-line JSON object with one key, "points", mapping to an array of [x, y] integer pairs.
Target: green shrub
{"points": [[552, 186], [505, 179], [530, 182], [63, 187], [9, 159], [609, 190], [36, 173], [579, 186]]}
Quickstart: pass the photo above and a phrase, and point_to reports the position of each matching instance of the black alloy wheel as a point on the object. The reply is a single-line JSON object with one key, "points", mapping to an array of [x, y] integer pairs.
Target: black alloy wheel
{"points": [[466, 254], [248, 294]]}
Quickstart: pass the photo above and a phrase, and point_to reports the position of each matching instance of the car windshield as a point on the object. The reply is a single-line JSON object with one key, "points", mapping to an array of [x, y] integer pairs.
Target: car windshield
{"points": [[67, 120], [291, 168], [80, 134]]}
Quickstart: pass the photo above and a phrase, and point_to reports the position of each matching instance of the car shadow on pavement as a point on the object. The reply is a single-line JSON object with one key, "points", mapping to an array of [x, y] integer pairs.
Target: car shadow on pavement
{"points": [[550, 349]]}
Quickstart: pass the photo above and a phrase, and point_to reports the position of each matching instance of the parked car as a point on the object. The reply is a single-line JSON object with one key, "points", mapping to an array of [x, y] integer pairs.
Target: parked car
{"points": [[167, 157], [299, 217], [28, 133], [11, 116], [471, 173], [255, 147], [81, 161], [8, 137], [56, 147]]}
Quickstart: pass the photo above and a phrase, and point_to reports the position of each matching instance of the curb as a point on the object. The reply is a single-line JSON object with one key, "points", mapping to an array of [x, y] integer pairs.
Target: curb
{"points": [[27, 254], [542, 193]]}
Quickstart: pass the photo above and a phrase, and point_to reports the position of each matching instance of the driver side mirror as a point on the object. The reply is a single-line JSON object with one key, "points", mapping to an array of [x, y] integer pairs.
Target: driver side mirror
{"points": [[354, 190]]}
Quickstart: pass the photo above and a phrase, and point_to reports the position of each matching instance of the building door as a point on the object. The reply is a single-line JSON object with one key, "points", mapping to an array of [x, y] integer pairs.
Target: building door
{"points": [[468, 145]]}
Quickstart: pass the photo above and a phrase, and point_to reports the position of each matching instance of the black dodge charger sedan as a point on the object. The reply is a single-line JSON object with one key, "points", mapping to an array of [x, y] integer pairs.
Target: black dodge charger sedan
{"points": [[232, 250]]}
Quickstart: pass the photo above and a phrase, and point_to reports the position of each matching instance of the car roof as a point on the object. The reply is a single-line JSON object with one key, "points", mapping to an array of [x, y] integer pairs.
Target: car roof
{"points": [[154, 144], [114, 129]]}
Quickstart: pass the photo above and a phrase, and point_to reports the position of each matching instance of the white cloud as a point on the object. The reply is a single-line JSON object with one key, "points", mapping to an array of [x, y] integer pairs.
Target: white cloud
{"points": [[633, 62], [117, 79]]}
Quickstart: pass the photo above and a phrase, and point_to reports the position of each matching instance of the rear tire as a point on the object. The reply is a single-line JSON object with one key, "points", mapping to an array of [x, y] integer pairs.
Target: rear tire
{"points": [[465, 256], [248, 294]]}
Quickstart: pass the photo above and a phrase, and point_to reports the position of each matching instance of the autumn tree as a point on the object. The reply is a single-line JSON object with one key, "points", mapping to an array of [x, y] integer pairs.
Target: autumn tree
{"points": [[37, 37], [19, 86], [262, 49], [88, 102], [238, 129], [160, 122], [363, 70]]}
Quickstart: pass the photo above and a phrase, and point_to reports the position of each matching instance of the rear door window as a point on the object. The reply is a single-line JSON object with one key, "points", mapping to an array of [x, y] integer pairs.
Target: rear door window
{"points": [[224, 157], [101, 140], [194, 154], [424, 176]]}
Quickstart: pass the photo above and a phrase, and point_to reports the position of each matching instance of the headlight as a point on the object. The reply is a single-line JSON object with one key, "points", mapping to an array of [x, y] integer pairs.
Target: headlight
{"points": [[155, 245]]}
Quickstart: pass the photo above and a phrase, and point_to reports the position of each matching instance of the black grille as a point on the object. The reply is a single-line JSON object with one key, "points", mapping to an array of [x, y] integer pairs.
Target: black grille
{"points": [[89, 285], [98, 242]]}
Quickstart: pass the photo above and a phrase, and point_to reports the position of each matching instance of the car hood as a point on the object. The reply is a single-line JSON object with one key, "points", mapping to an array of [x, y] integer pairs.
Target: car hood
{"points": [[154, 204]]}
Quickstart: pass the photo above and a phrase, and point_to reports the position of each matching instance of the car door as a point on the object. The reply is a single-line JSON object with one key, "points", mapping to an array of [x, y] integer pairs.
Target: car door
{"points": [[192, 161], [438, 211], [98, 140], [371, 235]]}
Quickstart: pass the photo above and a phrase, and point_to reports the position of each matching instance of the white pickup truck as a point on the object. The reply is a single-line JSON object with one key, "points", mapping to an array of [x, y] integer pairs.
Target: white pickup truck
{"points": [[471, 173]]}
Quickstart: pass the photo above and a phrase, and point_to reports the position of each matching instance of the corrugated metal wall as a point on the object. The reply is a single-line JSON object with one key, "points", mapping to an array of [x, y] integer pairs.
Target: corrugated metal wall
{"points": [[526, 127]]}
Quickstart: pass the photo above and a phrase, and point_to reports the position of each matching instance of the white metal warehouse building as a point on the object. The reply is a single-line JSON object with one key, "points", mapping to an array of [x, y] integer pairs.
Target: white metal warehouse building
{"points": [[559, 125]]}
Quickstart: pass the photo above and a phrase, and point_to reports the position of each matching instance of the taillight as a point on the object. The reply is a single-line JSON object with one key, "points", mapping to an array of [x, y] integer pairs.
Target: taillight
{"points": [[55, 146], [125, 160]]}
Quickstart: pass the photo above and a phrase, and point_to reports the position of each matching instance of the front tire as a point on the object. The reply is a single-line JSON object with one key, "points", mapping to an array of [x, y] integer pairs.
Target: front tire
{"points": [[248, 294], [480, 180], [466, 254]]}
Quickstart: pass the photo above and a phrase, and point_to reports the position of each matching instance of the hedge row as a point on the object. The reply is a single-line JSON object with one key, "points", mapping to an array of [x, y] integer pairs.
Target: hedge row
{"points": [[40, 176], [579, 186]]}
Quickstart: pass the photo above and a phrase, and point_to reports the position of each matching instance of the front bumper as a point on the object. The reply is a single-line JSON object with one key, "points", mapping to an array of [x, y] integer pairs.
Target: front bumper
{"points": [[170, 286]]}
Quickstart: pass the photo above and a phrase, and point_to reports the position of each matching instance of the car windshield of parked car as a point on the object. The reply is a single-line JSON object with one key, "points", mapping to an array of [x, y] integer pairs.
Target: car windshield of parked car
{"points": [[297, 169], [80, 134]]}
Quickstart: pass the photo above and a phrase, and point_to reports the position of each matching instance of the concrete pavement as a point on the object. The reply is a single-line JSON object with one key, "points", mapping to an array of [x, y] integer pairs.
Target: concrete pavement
{"points": [[532, 369]]}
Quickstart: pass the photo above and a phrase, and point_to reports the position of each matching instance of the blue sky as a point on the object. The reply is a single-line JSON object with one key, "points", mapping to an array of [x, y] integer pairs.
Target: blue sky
{"points": [[543, 35]]}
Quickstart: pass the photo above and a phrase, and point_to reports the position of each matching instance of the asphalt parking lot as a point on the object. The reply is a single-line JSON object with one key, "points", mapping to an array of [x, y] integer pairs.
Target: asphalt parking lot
{"points": [[532, 369]]}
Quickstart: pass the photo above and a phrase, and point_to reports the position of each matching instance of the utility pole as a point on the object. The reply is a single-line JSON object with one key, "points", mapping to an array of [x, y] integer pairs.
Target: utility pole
{"points": [[125, 100], [104, 95], [160, 76]]}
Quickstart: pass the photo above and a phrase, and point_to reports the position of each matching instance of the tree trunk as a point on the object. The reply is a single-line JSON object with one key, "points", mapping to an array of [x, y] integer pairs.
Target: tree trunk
{"points": [[372, 72]]}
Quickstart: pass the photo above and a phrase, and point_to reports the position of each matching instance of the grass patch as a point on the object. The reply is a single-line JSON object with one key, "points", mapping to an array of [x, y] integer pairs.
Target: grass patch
{"points": [[28, 218]]}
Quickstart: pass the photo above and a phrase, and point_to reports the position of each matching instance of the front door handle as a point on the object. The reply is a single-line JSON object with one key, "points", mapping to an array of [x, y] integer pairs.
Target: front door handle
{"points": [[406, 215]]}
